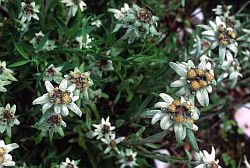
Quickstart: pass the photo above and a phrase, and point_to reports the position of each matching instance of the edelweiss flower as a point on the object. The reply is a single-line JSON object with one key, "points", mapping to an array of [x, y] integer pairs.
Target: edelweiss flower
{"points": [[82, 80], [139, 22], [112, 143], [53, 74], [101, 66], [69, 164], [48, 46], [104, 129], [194, 81], [5, 73], [222, 10], [128, 158], [208, 159], [73, 6], [53, 125], [97, 23], [61, 98], [200, 47], [120, 14], [28, 12], [8, 119], [177, 113], [220, 35], [5, 157], [84, 43], [231, 68]]}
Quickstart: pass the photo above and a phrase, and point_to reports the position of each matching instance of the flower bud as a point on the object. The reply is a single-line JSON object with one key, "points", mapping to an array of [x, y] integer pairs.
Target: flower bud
{"points": [[195, 85], [191, 74]]}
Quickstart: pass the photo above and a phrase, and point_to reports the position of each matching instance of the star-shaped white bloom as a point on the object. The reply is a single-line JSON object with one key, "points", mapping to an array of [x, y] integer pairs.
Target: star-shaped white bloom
{"points": [[194, 80], [73, 6], [28, 11], [220, 35], [61, 98], [68, 163], [128, 158], [53, 73], [208, 159], [104, 129], [112, 143], [120, 14], [84, 43], [222, 10], [5, 157], [8, 119], [177, 113]]}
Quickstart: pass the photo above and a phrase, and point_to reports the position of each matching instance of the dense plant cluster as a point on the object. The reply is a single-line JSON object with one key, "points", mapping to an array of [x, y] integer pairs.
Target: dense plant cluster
{"points": [[80, 83]]}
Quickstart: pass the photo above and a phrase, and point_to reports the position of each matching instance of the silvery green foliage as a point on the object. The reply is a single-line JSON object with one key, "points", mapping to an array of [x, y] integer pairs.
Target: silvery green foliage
{"points": [[194, 84], [245, 38], [179, 114], [8, 119], [231, 70], [200, 47], [6, 76], [220, 35], [53, 73], [138, 21], [50, 123]]}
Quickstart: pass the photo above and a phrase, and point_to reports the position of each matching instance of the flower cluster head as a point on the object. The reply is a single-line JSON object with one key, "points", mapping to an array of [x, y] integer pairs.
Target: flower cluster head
{"points": [[208, 160], [53, 73], [177, 113], [8, 119], [28, 11], [48, 46], [128, 158], [73, 6], [219, 34], [112, 142], [82, 80], [138, 21], [69, 164], [231, 69], [194, 80], [61, 98], [5, 157], [104, 132], [53, 124], [6, 76], [100, 66], [104, 129]]}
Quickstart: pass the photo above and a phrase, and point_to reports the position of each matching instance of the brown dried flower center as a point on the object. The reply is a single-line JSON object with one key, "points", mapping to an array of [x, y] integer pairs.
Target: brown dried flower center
{"points": [[28, 9], [112, 143], [80, 80], [199, 78], [57, 96], [55, 120], [69, 165], [2, 153], [145, 16], [224, 36], [129, 158], [51, 71], [8, 116], [105, 129]]}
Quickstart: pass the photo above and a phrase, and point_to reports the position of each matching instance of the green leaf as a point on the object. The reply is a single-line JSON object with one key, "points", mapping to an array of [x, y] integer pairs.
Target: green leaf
{"points": [[155, 138], [149, 113], [192, 140], [19, 63], [21, 51], [61, 25], [119, 123]]}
